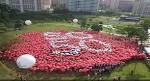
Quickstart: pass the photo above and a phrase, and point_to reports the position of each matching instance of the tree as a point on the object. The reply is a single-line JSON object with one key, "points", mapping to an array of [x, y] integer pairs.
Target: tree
{"points": [[135, 31], [61, 10], [4, 12], [4, 17], [145, 23], [142, 34], [18, 24], [14, 13], [2, 28], [97, 27], [83, 23]]}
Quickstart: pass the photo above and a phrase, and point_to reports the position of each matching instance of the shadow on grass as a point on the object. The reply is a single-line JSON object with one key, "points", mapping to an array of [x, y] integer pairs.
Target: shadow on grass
{"points": [[134, 77]]}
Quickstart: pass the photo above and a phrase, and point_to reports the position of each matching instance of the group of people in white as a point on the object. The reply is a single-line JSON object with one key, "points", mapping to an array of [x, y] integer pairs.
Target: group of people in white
{"points": [[55, 38]]}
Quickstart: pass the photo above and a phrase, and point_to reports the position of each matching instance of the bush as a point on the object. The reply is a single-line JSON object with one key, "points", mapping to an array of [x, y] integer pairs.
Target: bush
{"points": [[18, 24], [6, 15], [145, 23], [135, 31], [3, 28], [97, 27], [43, 15], [83, 23], [108, 13]]}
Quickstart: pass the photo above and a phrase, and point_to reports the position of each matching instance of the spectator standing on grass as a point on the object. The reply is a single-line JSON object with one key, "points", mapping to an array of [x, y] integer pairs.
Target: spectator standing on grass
{"points": [[132, 72], [101, 79], [115, 79], [119, 78]]}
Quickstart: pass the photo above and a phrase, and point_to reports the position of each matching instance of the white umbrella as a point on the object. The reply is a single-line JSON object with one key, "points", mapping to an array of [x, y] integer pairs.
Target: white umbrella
{"points": [[75, 20], [28, 22], [148, 31], [147, 49], [25, 61]]}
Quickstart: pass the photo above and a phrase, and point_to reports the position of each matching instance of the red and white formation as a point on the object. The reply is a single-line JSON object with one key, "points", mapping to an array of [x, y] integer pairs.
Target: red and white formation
{"points": [[79, 51], [64, 40]]}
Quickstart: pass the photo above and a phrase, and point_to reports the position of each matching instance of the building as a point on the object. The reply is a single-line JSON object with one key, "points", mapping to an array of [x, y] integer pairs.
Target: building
{"points": [[58, 3], [126, 5], [114, 4], [141, 7], [107, 2], [122, 5], [82, 5], [28, 5], [104, 4]]}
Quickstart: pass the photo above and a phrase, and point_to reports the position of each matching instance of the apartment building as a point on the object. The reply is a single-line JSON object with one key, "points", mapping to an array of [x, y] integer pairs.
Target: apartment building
{"points": [[122, 5], [82, 5], [126, 5], [28, 5], [114, 4], [58, 3], [141, 7], [104, 4]]}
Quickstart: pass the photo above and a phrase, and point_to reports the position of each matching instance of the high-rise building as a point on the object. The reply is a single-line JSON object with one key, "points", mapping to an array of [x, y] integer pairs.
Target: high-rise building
{"points": [[126, 5], [104, 4], [58, 3], [142, 7], [83, 5], [114, 4], [122, 5], [28, 5]]}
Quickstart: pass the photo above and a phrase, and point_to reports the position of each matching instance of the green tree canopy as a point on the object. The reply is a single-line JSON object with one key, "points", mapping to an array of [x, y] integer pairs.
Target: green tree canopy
{"points": [[135, 30], [4, 12], [97, 26], [145, 23]]}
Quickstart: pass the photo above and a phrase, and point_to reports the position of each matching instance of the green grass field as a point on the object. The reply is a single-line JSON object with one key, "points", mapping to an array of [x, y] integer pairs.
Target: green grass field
{"points": [[7, 71], [141, 71], [39, 26]]}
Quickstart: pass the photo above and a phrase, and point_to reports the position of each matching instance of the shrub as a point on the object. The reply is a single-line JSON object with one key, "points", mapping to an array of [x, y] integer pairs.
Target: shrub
{"points": [[83, 23], [6, 15], [18, 24], [135, 31], [97, 27], [145, 23], [2, 28]]}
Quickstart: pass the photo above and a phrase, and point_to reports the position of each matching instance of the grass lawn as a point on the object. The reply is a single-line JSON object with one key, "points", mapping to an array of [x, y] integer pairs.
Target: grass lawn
{"points": [[39, 26], [141, 71], [5, 72], [9, 72]]}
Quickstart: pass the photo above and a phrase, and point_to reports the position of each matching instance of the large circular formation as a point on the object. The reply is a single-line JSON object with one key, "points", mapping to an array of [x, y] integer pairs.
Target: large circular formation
{"points": [[79, 51], [59, 40]]}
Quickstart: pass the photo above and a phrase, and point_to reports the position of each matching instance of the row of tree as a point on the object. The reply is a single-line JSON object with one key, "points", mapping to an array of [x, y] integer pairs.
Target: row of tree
{"points": [[95, 26], [7, 15], [139, 30]]}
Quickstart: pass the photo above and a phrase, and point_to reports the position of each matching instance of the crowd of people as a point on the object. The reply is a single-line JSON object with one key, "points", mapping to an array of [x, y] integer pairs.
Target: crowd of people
{"points": [[38, 45]]}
